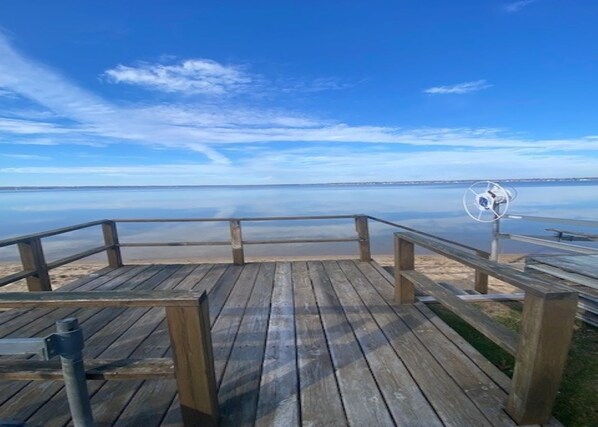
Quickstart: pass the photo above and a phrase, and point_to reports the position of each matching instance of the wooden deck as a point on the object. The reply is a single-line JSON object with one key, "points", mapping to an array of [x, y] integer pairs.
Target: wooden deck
{"points": [[295, 343]]}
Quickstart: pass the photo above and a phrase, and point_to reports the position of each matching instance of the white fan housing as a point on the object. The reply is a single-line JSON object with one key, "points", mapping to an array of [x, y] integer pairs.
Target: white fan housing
{"points": [[487, 201]]}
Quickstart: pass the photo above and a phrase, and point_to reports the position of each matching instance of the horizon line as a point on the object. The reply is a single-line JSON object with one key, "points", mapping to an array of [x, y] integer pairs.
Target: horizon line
{"points": [[405, 182]]}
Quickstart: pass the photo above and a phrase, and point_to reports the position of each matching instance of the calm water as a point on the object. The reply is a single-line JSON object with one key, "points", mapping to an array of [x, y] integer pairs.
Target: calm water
{"points": [[433, 208]]}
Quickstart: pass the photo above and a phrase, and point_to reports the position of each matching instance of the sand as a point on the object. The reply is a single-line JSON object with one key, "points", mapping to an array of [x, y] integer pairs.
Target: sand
{"points": [[436, 267]]}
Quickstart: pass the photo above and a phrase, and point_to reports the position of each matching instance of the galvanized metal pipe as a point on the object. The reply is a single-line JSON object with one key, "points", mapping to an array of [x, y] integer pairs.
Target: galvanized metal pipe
{"points": [[71, 357]]}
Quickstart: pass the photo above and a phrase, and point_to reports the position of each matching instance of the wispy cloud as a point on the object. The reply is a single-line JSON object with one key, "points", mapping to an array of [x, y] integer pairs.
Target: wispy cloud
{"points": [[6, 94], [516, 6], [332, 164], [193, 76], [69, 114], [25, 156], [459, 88]]}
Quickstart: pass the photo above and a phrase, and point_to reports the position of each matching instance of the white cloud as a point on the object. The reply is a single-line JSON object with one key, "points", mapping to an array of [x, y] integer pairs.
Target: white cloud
{"points": [[516, 6], [24, 156], [458, 89], [330, 164], [193, 76], [72, 115]]}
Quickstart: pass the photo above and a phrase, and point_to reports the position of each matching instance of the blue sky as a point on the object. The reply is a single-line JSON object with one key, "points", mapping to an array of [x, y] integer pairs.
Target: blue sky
{"points": [[238, 92]]}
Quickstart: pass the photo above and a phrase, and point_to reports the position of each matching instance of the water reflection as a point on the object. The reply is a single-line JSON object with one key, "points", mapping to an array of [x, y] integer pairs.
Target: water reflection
{"points": [[433, 208]]}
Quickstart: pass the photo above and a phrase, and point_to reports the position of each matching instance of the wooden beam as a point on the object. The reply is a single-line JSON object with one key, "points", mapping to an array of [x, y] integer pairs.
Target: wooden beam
{"points": [[547, 327], [498, 333], [15, 240], [477, 298], [124, 298], [189, 329], [95, 369], [111, 239], [72, 258], [404, 260], [236, 241], [361, 226], [32, 258], [481, 278]]}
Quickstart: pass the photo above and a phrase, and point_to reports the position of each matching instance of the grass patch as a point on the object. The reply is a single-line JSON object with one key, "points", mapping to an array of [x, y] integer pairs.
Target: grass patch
{"points": [[577, 401]]}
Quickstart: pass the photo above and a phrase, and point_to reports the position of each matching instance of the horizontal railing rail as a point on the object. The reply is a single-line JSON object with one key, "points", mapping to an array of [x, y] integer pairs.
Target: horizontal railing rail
{"points": [[50, 233], [480, 279], [547, 322], [264, 218], [423, 233]]}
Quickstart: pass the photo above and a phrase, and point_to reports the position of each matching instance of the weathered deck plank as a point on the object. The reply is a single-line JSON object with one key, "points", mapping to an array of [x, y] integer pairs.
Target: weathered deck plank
{"points": [[319, 396], [239, 388], [278, 402], [294, 343], [361, 396]]}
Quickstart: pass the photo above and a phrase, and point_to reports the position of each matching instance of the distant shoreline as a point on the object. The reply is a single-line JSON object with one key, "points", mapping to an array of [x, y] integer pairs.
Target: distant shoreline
{"points": [[340, 184]]}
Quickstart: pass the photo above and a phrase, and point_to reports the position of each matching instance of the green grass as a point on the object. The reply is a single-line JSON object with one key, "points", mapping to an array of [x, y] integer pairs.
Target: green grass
{"points": [[577, 401]]}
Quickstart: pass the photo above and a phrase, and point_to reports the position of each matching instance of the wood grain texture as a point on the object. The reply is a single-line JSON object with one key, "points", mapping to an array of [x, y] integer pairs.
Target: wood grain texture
{"points": [[362, 399], [547, 327], [406, 403], [500, 271], [278, 402], [189, 330], [449, 401], [481, 278], [236, 241], [498, 333], [299, 343], [32, 259], [320, 396], [111, 239], [363, 233], [95, 369], [239, 389], [120, 298], [404, 253]]}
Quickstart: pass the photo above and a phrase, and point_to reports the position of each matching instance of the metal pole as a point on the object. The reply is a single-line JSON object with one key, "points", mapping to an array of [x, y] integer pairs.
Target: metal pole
{"points": [[494, 250], [71, 357]]}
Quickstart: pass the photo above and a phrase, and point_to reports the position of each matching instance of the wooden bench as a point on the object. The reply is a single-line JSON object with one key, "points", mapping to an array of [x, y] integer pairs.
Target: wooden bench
{"points": [[187, 315]]}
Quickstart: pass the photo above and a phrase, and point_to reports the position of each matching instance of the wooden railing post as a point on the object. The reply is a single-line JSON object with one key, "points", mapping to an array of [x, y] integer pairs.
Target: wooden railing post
{"points": [[481, 279], [547, 327], [404, 260], [361, 226], [111, 239], [32, 258], [236, 241], [190, 337]]}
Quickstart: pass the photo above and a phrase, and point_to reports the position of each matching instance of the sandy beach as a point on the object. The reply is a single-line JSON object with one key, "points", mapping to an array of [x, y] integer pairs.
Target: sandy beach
{"points": [[436, 267]]}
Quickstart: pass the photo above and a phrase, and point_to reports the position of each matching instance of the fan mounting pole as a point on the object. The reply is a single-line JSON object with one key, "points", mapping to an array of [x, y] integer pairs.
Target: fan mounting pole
{"points": [[495, 246]]}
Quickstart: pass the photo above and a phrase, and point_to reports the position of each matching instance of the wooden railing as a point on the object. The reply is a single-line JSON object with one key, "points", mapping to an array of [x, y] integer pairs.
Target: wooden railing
{"points": [[237, 242], [481, 278], [187, 316], [547, 323], [36, 269]]}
